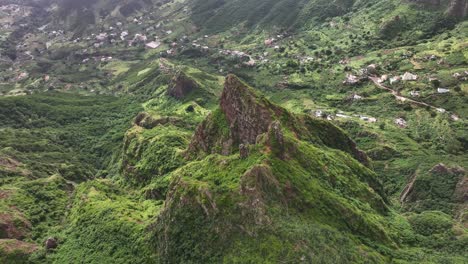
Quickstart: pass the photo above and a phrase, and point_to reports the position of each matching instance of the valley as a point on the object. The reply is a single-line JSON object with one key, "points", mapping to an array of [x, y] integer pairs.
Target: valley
{"points": [[268, 131]]}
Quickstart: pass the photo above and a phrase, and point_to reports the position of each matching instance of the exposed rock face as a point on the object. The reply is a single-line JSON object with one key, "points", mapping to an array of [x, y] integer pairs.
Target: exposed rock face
{"points": [[258, 185], [244, 151], [458, 8], [14, 246], [276, 139], [443, 169], [51, 243], [244, 117], [248, 115], [145, 120], [13, 226], [181, 85], [444, 184], [461, 191]]}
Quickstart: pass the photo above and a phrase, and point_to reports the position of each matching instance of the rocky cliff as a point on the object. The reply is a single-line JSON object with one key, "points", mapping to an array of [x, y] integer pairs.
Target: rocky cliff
{"points": [[244, 116]]}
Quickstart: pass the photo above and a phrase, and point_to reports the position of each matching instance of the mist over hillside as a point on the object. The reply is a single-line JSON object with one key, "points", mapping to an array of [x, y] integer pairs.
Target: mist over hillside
{"points": [[242, 131]]}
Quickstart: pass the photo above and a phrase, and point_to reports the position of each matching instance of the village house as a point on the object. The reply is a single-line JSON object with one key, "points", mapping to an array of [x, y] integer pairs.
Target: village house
{"points": [[22, 76], [250, 63], [443, 90], [140, 38], [351, 79], [343, 61], [401, 122], [153, 44], [106, 59], [368, 119], [383, 78], [409, 77], [123, 35], [395, 79], [269, 42], [455, 117]]}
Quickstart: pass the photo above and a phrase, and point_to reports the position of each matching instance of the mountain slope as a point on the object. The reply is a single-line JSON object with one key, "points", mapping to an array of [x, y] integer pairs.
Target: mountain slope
{"points": [[285, 175], [118, 143]]}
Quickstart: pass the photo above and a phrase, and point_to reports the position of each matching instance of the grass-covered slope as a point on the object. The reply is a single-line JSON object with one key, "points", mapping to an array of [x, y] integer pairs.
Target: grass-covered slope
{"points": [[49, 143], [270, 14], [106, 224], [264, 178], [280, 198]]}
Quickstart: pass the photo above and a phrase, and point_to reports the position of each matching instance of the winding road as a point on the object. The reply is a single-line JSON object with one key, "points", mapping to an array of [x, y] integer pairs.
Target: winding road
{"points": [[375, 80]]}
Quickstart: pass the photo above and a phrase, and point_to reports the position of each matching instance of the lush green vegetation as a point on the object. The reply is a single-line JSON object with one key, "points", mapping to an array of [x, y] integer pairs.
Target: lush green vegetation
{"points": [[102, 151]]}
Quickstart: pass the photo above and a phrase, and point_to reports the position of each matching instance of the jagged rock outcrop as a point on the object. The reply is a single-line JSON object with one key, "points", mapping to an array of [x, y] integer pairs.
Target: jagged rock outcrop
{"points": [[244, 116], [458, 8], [442, 169], [442, 188], [181, 85], [14, 225], [51, 243], [461, 190], [286, 163], [241, 118], [147, 121], [244, 151], [248, 115]]}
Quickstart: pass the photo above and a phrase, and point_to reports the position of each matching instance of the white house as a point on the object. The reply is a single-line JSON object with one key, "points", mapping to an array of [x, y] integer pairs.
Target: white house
{"points": [[153, 44], [409, 77], [442, 90]]}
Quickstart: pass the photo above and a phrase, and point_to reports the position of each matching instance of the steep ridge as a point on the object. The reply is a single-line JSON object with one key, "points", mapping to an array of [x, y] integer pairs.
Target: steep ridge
{"points": [[247, 115], [284, 181], [248, 179]]}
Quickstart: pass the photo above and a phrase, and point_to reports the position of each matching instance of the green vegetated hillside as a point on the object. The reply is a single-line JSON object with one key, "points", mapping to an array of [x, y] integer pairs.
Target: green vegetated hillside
{"points": [[338, 136]]}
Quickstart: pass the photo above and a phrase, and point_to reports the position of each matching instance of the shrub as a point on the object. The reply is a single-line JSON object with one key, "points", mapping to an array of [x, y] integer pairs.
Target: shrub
{"points": [[431, 222]]}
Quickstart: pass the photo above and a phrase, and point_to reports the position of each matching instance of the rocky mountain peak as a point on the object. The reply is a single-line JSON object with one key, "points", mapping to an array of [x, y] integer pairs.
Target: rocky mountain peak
{"points": [[244, 117], [181, 85], [247, 114]]}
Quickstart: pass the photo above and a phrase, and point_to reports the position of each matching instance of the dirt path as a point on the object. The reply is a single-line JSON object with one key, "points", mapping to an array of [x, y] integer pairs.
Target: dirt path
{"points": [[408, 188], [375, 80]]}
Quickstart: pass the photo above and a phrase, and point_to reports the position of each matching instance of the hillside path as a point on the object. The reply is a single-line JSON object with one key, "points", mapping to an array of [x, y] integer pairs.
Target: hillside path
{"points": [[399, 97]]}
